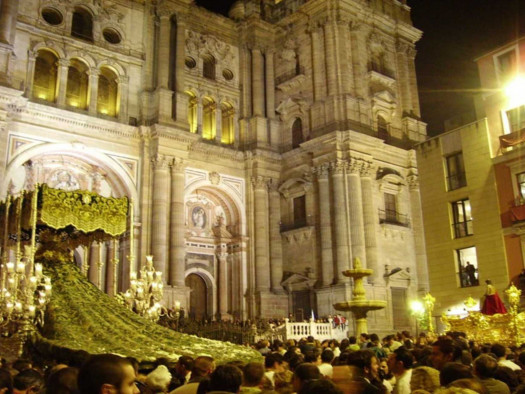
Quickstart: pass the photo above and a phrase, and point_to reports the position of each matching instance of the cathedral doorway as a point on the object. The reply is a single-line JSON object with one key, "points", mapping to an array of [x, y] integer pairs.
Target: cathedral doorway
{"points": [[302, 305], [198, 297]]}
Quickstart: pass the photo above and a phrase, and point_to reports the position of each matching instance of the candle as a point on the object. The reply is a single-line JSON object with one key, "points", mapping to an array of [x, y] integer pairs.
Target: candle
{"points": [[9, 306], [177, 305], [18, 307], [10, 267], [31, 311], [20, 267], [38, 270]]}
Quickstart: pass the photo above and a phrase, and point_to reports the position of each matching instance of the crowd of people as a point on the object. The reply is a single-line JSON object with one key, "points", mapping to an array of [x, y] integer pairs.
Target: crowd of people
{"points": [[397, 364]]}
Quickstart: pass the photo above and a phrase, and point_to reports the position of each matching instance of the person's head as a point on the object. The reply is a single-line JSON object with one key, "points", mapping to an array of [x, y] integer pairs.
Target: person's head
{"points": [[400, 360], [352, 340], [274, 362], [63, 381], [499, 350], [107, 373], [312, 356], [507, 376], [327, 356], [454, 371], [374, 338], [252, 374], [485, 366], [28, 381], [6, 382], [202, 367], [366, 361], [225, 378], [444, 350], [159, 379], [363, 337], [303, 373], [324, 386], [184, 365], [424, 378], [21, 364]]}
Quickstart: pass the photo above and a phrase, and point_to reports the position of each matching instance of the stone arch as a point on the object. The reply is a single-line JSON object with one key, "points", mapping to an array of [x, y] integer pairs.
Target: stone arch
{"points": [[82, 56], [116, 67], [50, 46], [227, 122], [45, 79], [116, 175], [82, 22], [297, 131]]}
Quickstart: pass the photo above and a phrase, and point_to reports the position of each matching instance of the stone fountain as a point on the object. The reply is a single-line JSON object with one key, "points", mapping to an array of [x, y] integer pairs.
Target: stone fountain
{"points": [[359, 305]]}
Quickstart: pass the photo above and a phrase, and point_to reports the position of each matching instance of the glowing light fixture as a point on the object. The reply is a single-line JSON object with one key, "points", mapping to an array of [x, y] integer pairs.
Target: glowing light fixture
{"points": [[42, 96], [417, 307], [515, 91]]}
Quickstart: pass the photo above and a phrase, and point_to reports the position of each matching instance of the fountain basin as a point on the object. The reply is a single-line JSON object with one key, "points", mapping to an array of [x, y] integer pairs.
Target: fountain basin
{"points": [[358, 273], [360, 305]]}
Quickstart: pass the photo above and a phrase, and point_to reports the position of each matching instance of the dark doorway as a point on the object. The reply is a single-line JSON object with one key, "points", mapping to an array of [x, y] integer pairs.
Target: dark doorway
{"points": [[198, 297], [302, 305]]}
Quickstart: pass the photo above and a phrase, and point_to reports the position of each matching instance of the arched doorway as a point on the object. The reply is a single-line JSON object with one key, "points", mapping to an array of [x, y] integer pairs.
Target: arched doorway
{"points": [[198, 297]]}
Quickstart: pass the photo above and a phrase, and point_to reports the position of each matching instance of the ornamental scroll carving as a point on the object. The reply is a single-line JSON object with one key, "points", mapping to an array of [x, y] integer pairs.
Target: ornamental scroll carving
{"points": [[198, 45]]}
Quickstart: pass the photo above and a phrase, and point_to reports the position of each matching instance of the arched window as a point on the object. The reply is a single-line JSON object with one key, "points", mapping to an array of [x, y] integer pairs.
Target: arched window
{"points": [[45, 78], [77, 84], [208, 67], [192, 112], [208, 118], [227, 135], [382, 128], [297, 133], [108, 94], [82, 24]]}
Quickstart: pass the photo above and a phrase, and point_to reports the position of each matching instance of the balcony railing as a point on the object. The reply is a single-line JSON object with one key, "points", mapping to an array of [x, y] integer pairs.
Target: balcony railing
{"points": [[389, 216], [463, 229], [509, 140], [455, 181], [517, 212]]}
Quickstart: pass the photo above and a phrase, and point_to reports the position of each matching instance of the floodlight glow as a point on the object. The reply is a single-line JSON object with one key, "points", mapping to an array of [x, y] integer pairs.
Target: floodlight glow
{"points": [[417, 307], [515, 91]]}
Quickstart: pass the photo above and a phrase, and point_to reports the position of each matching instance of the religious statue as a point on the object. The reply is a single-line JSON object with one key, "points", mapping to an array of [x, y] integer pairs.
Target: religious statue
{"points": [[492, 303], [198, 217]]}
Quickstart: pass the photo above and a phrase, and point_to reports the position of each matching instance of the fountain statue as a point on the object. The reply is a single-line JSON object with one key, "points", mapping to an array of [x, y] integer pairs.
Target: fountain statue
{"points": [[359, 305]]}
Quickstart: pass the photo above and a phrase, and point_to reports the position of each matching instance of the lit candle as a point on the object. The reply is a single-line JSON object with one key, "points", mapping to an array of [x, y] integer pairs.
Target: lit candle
{"points": [[10, 267], [9, 306], [133, 276], [31, 311], [18, 307], [177, 305], [38, 270]]}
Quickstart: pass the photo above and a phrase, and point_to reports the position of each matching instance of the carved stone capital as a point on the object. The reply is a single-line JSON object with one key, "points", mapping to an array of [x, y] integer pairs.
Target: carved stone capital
{"points": [[322, 171], [368, 169], [413, 181], [338, 167], [161, 162], [260, 183], [177, 165], [355, 166], [273, 185], [63, 62]]}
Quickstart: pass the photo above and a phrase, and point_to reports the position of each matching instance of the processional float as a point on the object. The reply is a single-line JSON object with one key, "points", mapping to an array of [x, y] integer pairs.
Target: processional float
{"points": [[47, 305]]}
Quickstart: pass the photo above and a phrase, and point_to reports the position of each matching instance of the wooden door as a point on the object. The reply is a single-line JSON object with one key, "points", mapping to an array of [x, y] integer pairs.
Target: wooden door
{"points": [[198, 297]]}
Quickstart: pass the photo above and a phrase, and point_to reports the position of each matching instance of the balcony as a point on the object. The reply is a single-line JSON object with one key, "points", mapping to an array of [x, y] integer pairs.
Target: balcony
{"points": [[389, 216], [294, 226], [517, 212], [455, 181], [507, 141]]}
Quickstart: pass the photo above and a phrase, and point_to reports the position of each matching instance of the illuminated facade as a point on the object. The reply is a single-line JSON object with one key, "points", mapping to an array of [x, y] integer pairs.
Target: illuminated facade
{"points": [[263, 150], [472, 189]]}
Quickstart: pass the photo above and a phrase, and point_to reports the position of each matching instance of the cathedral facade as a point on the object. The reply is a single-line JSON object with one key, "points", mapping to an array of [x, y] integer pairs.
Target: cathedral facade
{"points": [[263, 151]]}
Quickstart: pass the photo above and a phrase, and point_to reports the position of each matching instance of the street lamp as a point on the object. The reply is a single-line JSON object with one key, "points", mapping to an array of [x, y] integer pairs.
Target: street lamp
{"points": [[515, 91]]}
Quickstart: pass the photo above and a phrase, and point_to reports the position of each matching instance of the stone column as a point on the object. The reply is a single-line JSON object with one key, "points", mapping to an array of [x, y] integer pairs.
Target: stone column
{"points": [[123, 111], [258, 82], [222, 257], [276, 247], [246, 65], [163, 58], [63, 66], [329, 53], [340, 226], [419, 233], [270, 85], [318, 72], [359, 51], [159, 222], [180, 55], [93, 90], [8, 16], [262, 266], [370, 222], [31, 60], [112, 268], [94, 254], [345, 58], [218, 123], [357, 229], [325, 222], [177, 241]]}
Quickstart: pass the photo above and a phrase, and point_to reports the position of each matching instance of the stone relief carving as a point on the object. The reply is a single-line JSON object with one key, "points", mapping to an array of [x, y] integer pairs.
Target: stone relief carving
{"points": [[199, 44], [215, 178]]}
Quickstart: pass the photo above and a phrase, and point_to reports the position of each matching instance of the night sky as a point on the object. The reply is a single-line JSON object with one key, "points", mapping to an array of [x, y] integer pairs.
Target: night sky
{"points": [[455, 32]]}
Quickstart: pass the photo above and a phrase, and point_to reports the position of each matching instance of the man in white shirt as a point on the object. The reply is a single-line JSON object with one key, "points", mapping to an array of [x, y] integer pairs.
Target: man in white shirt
{"points": [[327, 356], [400, 363], [500, 352]]}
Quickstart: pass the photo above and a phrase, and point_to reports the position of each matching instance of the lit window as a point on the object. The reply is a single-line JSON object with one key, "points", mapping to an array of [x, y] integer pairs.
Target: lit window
{"points": [[77, 85], [227, 132], [467, 267], [462, 217], [45, 79], [516, 119], [107, 99], [208, 118], [455, 171]]}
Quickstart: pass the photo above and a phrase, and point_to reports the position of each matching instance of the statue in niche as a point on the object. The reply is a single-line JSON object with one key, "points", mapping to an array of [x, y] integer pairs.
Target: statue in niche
{"points": [[198, 216], [66, 181]]}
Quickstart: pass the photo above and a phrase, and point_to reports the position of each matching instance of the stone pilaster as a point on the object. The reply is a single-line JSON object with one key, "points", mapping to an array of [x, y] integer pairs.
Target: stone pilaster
{"points": [[412, 81], [123, 86], [318, 72], [344, 60], [177, 242], [276, 247], [258, 82], [8, 15], [403, 77], [63, 67], [330, 53], [358, 33], [218, 123], [159, 221], [340, 226], [222, 257], [357, 228], [262, 266], [370, 222], [93, 90], [325, 222], [419, 233], [163, 59], [270, 84], [31, 60]]}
